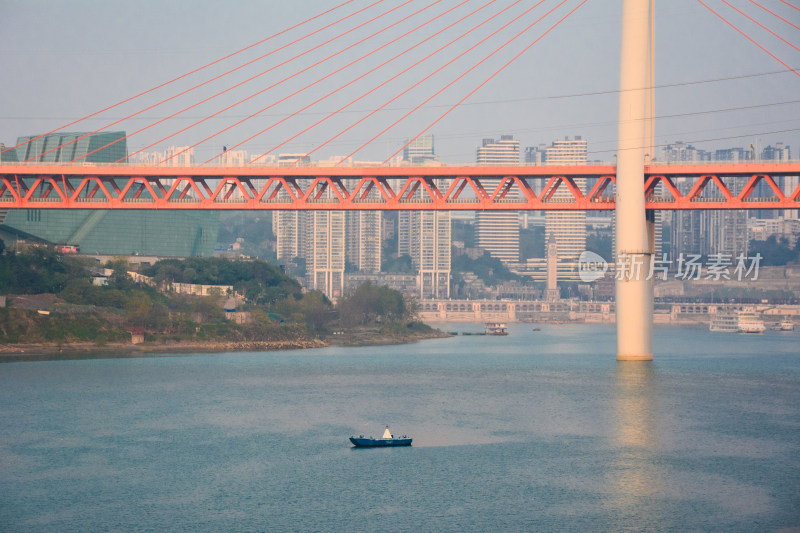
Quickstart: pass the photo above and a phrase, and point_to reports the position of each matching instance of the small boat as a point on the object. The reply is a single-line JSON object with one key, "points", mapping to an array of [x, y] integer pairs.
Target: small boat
{"points": [[787, 325], [387, 440], [537, 329], [496, 328]]}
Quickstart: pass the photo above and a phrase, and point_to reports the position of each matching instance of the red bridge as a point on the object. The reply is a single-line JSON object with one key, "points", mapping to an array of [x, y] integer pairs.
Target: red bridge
{"points": [[674, 186]]}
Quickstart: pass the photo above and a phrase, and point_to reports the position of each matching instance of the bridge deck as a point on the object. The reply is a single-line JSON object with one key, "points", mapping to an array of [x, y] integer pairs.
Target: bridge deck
{"points": [[590, 187]]}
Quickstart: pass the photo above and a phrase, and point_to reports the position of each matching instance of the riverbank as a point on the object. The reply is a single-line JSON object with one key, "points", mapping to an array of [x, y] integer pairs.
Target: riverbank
{"points": [[373, 336], [82, 350], [88, 350]]}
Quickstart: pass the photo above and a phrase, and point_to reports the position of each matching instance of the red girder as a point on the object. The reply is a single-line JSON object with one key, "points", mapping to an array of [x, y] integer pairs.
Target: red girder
{"points": [[705, 186]]}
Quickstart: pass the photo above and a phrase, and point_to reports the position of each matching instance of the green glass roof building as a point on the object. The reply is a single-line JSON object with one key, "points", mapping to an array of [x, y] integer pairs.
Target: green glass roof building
{"points": [[159, 233]]}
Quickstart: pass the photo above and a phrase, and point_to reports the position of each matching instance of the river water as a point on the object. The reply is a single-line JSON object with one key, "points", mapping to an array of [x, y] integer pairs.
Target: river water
{"points": [[537, 431]]}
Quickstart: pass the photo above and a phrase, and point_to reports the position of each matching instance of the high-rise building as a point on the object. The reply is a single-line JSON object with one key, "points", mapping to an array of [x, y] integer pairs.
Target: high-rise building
{"points": [[288, 235], [324, 243], [536, 155], [363, 237], [778, 153], [107, 232], [497, 232], [317, 237], [426, 236], [680, 151], [721, 231], [709, 232], [568, 228], [420, 151], [178, 156]]}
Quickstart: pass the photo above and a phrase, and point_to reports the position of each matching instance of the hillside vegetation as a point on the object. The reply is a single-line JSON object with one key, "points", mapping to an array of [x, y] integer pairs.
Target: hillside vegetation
{"points": [[274, 305]]}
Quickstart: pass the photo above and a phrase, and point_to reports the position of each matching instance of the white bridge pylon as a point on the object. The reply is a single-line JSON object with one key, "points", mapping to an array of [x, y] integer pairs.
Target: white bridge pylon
{"points": [[634, 294]]}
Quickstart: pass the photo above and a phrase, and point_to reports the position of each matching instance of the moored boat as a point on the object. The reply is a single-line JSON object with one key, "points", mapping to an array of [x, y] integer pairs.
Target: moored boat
{"points": [[386, 440], [787, 325], [496, 328], [750, 323], [737, 322]]}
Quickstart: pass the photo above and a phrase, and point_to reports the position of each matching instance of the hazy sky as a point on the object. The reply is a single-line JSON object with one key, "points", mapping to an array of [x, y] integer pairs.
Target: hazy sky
{"points": [[64, 59]]}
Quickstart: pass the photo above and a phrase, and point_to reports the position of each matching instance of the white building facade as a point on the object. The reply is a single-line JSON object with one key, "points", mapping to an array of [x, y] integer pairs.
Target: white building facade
{"points": [[497, 232]]}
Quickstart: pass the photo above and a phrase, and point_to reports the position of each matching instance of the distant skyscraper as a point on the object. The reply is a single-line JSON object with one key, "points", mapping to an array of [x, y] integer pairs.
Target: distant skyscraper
{"points": [[708, 231], [178, 156], [778, 153], [680, 151], [721, 231], [504, 152], [420, 151], [293, 160], [536, 155], [497, 232], [568, 228]]}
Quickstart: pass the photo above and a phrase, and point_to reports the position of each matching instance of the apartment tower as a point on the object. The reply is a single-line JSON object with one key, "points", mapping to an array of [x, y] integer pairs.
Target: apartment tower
{"points": [[497, 232]]}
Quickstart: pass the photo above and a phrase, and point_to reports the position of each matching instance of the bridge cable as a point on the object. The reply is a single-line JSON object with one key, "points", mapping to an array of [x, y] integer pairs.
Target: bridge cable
{"points": [[795, 26], [749, 38], [751, 19], [249, 79], [330, 115], [334, 8], [526, 29], [485, 81], [314, 82], [790, 5], [274, 84], [505, 100], [414, 85], [463, 74]]}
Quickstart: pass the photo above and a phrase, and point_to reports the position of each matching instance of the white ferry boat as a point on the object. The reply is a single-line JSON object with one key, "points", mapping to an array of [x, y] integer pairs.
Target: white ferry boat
{"points": [[738, 322], [784, 325], [496, 328]]}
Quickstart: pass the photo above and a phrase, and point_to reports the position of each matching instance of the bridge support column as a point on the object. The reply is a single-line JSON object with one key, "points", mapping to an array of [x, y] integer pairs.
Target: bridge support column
{"points": [[634, 295]]}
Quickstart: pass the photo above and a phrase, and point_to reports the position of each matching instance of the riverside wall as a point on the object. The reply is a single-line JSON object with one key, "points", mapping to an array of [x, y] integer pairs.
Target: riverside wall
{"points": [[539, 311]]}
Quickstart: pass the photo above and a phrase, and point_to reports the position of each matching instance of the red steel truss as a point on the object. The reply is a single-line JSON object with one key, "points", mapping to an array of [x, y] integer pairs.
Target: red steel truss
{"points": [[676, 186]]}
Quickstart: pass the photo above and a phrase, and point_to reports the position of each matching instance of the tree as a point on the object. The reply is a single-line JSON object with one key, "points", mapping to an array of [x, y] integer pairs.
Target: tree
{"points": [[400, 265], [137, 310], [313, 309], [489, 269], [774, 251], [370, 304]]}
